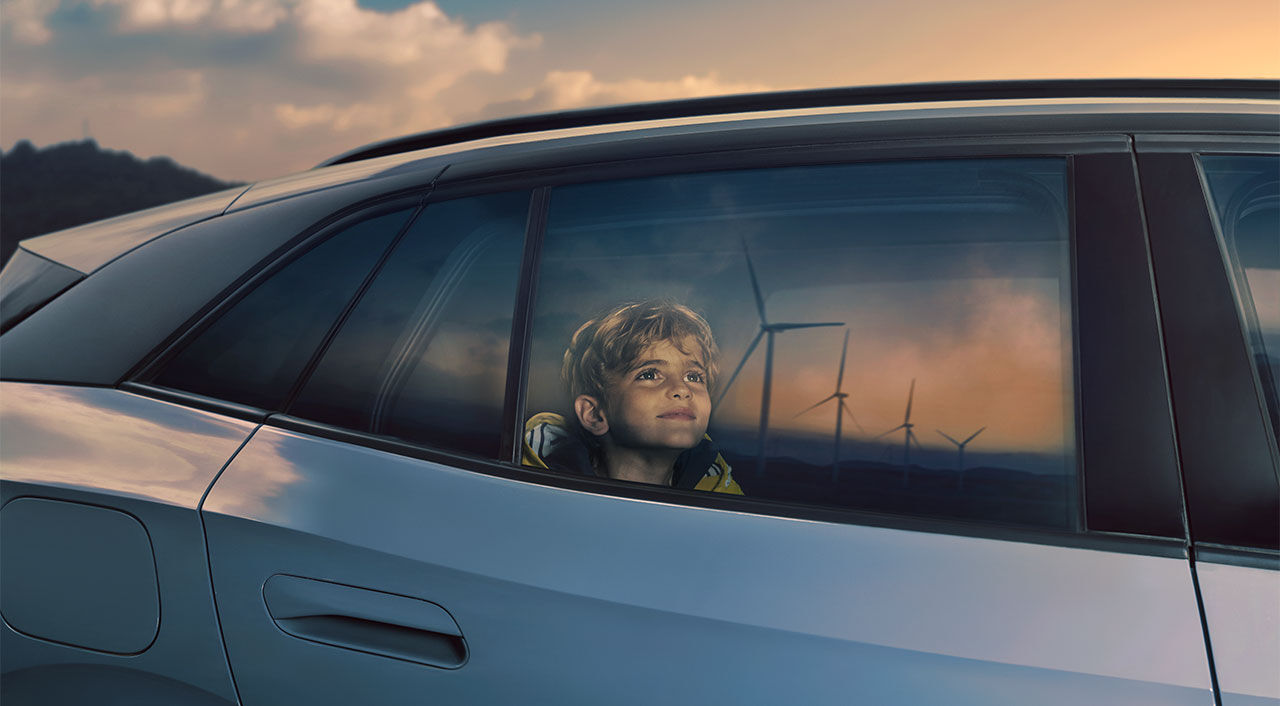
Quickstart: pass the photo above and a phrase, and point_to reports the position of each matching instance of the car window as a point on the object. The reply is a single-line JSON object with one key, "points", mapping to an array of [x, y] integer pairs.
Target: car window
{"points": [[253, 353], [1246, 198], [894, 337], [423, 356]]}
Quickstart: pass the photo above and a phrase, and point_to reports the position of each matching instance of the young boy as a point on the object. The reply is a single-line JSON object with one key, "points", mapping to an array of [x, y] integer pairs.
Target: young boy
{"points": [[639, 379]]}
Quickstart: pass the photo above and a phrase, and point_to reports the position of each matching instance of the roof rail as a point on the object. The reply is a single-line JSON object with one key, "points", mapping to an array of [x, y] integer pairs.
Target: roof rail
{"points": [[821, 98]]}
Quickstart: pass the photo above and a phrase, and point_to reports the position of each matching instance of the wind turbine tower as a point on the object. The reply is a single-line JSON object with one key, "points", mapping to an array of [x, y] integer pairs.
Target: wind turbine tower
{"points": [[960, 455], [841, 407], [909, 438], [767, 329]]}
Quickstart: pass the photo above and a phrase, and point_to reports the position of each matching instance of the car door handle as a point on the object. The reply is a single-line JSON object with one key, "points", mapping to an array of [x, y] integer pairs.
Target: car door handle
{"points": [[364, 620]]}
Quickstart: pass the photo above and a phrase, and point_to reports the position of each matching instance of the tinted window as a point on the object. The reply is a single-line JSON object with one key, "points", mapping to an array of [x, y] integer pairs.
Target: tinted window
{"points": [[949, 281], [1246, 199], [423, 356], [254, 352]]}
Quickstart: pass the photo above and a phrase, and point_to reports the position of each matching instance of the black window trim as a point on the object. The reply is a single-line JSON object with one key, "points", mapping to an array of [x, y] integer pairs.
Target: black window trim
{"points": [[1172, 178], [540, 182], [146, 370]]}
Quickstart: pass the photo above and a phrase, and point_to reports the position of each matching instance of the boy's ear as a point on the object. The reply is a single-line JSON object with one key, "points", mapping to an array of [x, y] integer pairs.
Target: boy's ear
{"points": [[591, 415]]}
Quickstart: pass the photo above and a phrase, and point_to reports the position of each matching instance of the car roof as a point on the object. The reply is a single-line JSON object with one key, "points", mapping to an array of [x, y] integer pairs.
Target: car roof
{"points": [[717, 123], [919, 93]]}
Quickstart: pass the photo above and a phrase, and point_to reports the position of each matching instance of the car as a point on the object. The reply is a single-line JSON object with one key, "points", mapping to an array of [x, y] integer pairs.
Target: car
{"points": [[997, 380]]}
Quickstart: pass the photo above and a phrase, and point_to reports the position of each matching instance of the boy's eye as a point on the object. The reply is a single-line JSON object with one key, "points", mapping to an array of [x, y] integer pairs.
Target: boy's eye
{"points": [[695, 376], [647, 374]]}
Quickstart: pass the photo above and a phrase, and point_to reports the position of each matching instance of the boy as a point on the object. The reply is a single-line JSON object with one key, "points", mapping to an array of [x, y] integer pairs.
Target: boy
{"points": [[639, 379]]}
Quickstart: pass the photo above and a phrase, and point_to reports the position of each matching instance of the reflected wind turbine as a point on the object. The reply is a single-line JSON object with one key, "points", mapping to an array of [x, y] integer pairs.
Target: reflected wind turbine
{"points": [[909, 438], [841, 408], [960, 458], [768, 330]]}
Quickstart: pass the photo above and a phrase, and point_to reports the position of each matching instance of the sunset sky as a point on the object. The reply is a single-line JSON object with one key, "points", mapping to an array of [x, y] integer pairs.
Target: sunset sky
{"points": [[249, 89]]}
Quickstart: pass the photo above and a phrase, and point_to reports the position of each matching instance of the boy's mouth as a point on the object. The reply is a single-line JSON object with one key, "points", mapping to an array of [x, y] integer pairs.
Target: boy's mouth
{"points": [[680, 413]]}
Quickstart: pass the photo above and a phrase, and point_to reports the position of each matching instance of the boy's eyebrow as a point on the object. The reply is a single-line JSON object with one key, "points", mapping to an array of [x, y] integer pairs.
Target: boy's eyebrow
{"points": [[661, 361]]}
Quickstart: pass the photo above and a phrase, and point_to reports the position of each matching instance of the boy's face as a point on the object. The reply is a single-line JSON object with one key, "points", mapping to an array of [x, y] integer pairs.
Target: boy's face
{"points": [[661, 400]]}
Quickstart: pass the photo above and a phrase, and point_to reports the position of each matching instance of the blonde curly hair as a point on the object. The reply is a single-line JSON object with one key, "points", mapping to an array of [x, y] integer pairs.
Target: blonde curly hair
{"points": [[609, 343]]}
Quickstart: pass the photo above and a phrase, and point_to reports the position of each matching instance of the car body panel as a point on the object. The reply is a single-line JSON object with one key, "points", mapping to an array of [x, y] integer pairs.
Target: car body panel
{"points": [[1242, 611], [547, 596], [88, 247], [79, 574], [97, 331], [152, 461]]}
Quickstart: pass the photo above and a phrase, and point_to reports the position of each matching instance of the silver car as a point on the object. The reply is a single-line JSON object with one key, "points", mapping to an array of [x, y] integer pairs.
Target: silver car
{"points": [[991, 370]]}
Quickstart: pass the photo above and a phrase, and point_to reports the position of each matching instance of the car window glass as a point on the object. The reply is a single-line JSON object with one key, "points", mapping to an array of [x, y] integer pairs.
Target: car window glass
{"points": [[1246, 199], [254, 352], [895, 337], [423, 356]]}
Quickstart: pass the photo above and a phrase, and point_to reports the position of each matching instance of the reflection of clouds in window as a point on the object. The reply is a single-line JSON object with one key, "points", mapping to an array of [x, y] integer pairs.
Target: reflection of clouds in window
{"points": [[1265, 285], [983, 351], [955, 273], [1245, 191]]}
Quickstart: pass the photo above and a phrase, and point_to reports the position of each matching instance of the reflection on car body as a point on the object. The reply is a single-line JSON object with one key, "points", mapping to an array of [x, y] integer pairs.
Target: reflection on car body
{"points": [[996, 390]]}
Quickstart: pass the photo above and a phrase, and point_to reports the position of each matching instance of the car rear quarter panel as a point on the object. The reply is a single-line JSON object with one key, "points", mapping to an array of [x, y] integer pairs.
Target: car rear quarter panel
{"points": [[152, 461]]}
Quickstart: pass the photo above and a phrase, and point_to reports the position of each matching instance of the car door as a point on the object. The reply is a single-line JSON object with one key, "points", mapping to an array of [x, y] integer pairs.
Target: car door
{"points": [[1212, 204], [379, 541]]}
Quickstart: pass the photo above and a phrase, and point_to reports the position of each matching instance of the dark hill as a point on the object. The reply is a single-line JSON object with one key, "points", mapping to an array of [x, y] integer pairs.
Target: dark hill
{"points": [[56, 187]]}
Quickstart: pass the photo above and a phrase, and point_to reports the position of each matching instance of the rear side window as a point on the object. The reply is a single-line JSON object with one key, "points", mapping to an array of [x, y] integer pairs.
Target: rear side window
{"points": [[1246, 198], [893, 337], [254, 353], [423, 356], [27, 283]]}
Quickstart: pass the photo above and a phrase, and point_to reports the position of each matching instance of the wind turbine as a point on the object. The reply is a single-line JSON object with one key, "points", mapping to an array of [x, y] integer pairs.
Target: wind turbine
{"points": [[841, 408], [909, 438], [960, 457], [767, 329]]}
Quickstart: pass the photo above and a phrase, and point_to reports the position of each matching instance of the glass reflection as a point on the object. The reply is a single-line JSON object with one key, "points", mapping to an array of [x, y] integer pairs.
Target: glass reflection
{"points": [[951, 280]]}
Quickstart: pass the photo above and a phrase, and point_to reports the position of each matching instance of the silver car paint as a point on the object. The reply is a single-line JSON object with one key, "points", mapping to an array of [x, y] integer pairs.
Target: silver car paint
{"points": [[152, 460], [1242, 609], [88, 247], [665, 601]]}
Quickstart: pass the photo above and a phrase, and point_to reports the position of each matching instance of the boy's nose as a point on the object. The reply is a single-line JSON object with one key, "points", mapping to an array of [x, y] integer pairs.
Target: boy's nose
{"points": [[680, 388]]}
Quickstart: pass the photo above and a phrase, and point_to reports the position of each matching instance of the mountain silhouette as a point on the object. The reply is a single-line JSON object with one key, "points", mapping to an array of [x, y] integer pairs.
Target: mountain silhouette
{"points": [[64, 185]]}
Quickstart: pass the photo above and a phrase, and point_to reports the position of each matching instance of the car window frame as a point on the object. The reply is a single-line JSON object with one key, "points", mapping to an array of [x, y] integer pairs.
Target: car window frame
{"points": [[540, 182], [141, 379], [1172, 173]]}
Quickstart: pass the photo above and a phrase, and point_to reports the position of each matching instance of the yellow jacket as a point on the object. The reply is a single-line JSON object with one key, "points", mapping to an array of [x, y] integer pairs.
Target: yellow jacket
{"points": [[549, 443]]}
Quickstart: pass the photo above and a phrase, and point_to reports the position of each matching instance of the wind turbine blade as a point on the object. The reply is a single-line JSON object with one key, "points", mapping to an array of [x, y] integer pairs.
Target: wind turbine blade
{"points": [[755, 284], [911, 436], [910, 396], [973, 435], [788, 327], [750, 349], [843, 354], [900, 426], [815, 406], [957, 443], [852, 418]]}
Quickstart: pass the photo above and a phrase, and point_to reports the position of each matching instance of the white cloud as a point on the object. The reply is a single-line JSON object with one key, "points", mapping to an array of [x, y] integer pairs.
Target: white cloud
{"points": [[307, 78], [246, 89], [232, 15], [25, 19], [560, 90]]}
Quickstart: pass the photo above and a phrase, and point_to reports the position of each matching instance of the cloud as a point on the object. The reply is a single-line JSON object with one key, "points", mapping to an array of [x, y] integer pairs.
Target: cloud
{"points": [[25, 20], [562, 90], [231, 15], [227, 85]]}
